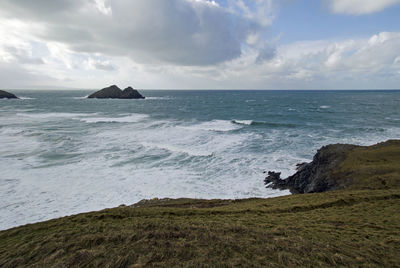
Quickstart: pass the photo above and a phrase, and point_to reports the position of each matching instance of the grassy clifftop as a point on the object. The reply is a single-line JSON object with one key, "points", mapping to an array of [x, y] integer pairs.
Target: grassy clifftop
{"points": [[345, 167], [338, 228], [372, 167]]}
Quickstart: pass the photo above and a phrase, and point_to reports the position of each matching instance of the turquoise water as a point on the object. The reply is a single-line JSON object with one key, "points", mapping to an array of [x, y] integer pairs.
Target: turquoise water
{"points": [[62, 154]]}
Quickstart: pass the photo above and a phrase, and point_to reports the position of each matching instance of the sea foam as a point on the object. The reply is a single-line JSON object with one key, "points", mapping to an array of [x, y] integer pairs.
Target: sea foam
{"points": [[214, 125], [133, 118], [243, 122], [54, 115], [61, 156]]}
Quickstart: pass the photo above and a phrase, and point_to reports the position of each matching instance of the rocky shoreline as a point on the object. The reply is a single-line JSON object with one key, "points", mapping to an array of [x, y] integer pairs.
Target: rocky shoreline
{"points": [[329, 169], [356, 226]]}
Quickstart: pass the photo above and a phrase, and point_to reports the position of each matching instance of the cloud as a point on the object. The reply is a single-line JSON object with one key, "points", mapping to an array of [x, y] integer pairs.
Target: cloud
{"points": [[365, 56], [366, 63], [180, 44], [267, 52], [359, 63], [261, 11], [14, 48], [100, 65], [20, 55], [13, 75], [182, 32], [360, 7]]}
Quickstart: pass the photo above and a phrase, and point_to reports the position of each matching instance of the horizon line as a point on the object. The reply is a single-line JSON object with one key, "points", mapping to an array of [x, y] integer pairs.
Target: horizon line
{"points": [[214, 89]]}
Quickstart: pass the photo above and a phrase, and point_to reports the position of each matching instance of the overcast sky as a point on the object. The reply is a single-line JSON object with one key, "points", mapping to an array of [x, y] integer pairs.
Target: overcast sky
{"points": [[200, 44]]}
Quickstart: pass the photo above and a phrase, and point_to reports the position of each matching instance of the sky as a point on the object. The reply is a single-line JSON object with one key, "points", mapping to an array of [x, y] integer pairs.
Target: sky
{"points": [[200, 44]]}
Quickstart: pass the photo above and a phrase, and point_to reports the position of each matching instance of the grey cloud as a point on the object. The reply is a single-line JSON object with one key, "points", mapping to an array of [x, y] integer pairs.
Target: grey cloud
{"points": [[22, 56], [38, 10], [104, 66], [175, 31], [27, 60], [265, 54], [14, 76]]}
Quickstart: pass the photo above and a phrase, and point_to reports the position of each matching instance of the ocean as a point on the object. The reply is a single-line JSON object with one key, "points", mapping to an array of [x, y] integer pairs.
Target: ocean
{"points": [[63, 154]]}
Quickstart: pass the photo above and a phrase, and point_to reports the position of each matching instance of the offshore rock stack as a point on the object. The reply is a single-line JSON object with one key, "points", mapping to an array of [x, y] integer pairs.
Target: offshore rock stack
{"points": [[7, 95], [114, 92]]}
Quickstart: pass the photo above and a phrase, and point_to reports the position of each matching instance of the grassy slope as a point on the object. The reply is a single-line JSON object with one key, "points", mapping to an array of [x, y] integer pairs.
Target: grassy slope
{"points": [[373, 167], [339, 228]]}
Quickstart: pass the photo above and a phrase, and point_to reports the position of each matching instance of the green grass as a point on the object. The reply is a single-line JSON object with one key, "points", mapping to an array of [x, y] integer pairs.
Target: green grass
{"points": [[349, 228], [373, 167]]}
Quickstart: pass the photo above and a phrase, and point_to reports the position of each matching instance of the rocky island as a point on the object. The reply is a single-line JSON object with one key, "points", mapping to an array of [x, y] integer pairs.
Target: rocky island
{"points": [[7, 95], [354, 224], [114, 92]]}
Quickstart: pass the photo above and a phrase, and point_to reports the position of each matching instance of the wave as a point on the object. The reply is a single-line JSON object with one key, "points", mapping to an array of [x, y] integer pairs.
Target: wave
{"points": [[54, 115], [226, 125], [392, 119], [158, 98], [132, 118], [26, 98], [324, 106], [262, 123], [243, 122], [215, 125], [176, 149], [81, 98]]}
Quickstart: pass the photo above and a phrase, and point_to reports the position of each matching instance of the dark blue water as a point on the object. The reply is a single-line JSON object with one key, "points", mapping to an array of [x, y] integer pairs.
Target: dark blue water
{"points": [[62, 153]]}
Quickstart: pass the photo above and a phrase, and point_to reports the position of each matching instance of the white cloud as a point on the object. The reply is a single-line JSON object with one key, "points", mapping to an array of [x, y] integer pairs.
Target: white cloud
{"points": [[60, 52], [360, 7], [179, 44], [341, 64], [98, 64], [261, 11], [14, 46], [182, 32], [101, 6]]}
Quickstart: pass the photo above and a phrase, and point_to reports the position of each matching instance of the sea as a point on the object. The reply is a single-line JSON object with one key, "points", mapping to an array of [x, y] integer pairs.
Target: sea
{"points": [[62, 154]]}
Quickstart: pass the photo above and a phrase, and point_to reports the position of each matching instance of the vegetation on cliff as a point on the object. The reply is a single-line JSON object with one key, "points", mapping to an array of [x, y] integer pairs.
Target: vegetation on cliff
{"points": [[345, 166], [336, 228]]}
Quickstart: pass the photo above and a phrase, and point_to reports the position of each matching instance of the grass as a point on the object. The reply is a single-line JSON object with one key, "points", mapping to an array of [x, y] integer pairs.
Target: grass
{"points": [[349, 228], [373, 167]]}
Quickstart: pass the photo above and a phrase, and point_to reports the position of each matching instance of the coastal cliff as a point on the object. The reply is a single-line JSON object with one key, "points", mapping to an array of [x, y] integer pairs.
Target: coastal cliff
{"points": [[344, 166], [354, 226]]}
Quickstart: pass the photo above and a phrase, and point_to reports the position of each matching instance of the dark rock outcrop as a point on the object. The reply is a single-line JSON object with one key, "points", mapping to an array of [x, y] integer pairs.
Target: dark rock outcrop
{"points": [[114, 92], [318, 176], [7, 95], [130, 93], [111, 92]]}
